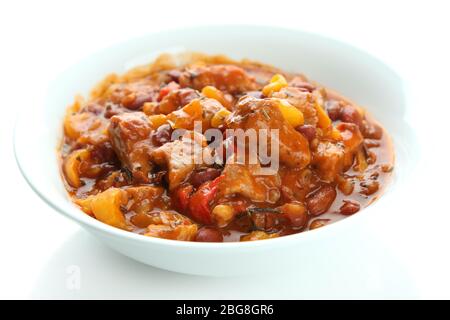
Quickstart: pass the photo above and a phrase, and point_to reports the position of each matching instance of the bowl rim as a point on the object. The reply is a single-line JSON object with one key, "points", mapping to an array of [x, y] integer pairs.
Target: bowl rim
{"points": [[87, 221]]}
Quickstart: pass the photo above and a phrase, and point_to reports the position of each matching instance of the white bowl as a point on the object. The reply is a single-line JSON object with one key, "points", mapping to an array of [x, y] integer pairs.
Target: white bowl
{"points": [[340, 66]]}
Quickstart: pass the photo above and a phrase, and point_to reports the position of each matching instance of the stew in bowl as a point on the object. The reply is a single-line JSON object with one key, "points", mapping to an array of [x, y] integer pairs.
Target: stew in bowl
{"points": [[217, 150]]}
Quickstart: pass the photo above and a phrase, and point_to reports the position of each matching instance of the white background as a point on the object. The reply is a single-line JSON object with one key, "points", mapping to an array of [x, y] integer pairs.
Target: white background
{"points": [[409, 252]]}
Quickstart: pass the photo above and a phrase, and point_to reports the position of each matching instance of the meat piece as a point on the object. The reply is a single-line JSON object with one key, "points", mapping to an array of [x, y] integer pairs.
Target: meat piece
{"points": [[129, 134], [245, 179], [296, 184], [331, 158], [352, 140], [302, 100], [228, 78], [171, 225], [257, 114], [175, 100], [143, 199], [180, 157], [133, 95], [328, 158], [201, 110]]}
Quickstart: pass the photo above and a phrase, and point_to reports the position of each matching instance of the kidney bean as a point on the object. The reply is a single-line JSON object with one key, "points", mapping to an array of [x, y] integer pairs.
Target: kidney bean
{"points": [[334, 109], [321, 200], [371, 157], [346, 186], [255, 94], [350, 114], [349, 207], [368, 143], [207, 234], [302, 85], [197, 178], [318, 223], [174, 75], [308, 131], [162, 135], [371, 130], [369, 187]]}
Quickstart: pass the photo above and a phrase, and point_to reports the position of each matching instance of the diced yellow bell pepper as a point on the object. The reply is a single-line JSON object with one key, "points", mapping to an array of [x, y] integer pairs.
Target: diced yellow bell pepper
{"points": [[219, 118], [157, 120], [335, 134], [71, 166], [105, 207], [276, 84], [290, 113], [185, 117], [324, 120], [214, 93]]}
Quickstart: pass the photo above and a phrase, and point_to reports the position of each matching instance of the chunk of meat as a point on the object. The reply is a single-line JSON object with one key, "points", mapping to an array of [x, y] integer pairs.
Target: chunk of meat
{"points": [[328, 158], [302, 100], [175, 100], [129, 134], [331, 158], [246, 180], [200, 110], [86, 128], [296, 184], [171, 225], [228, 78], [180, 158], [133, 95], [257, 114], [143, 199], [352, 139]]}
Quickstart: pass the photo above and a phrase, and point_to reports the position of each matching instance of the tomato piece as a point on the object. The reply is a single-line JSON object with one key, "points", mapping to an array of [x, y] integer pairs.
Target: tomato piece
{"points": [[167, 89], [182, 196], [200, 202]]}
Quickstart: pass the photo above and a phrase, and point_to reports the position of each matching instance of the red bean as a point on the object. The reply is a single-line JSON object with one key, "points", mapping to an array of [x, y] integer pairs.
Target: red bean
{"points": [[350, 114], [199, 177], [369, 187], [349, 207], [321, 200], [318, 223], [303, 85], [255, 94], [371, 130], [162, 135], [334, 109], [174, 75], [207, 234], [308, 131]]}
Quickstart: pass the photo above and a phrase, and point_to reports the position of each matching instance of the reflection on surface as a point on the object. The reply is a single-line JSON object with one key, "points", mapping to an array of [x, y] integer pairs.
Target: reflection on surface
{"points": [[83, 268]]}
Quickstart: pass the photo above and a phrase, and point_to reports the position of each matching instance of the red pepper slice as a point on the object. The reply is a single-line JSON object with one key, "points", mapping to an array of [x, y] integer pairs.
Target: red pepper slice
{"points": [[199, 203], [166, 90], [182, 196]]}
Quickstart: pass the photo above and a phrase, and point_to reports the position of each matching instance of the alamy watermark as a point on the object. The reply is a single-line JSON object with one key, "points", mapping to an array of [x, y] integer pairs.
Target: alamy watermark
{"points": [[252, 147]]}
